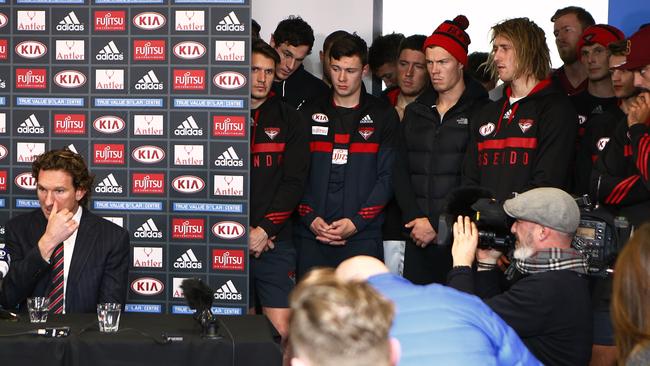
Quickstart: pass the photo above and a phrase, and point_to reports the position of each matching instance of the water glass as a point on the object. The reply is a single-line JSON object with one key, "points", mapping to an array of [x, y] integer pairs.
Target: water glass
{"points": [[38, 308], [108, 316]]}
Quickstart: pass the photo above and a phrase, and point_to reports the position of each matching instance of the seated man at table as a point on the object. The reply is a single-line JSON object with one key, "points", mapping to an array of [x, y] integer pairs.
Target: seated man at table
{"points": [[62, 250]]}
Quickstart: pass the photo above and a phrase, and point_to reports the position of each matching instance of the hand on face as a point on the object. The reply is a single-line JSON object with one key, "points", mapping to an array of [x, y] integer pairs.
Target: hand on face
{"points": [[60, 226]]}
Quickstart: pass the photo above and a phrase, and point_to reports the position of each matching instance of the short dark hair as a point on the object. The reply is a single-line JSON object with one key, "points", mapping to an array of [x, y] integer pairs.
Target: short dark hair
{"points": [[350, 45], [327, 43], [383, 50], [414, 42], [70, 162], [255, 29], [477, 66], [618, 48], [583, 16], [294, 31], [264, 49]]}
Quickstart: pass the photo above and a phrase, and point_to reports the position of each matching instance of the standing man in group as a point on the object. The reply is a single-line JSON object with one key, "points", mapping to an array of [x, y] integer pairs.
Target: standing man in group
{"points": [[353, 137], [324, 55], [568, 25], [435, 133], [382, 58], [61, 250], [293, 39], [279, 168], [527, 138]]}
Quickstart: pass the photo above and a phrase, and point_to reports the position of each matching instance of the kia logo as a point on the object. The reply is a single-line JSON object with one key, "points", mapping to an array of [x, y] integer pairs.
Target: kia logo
{"points": [[148, 154], [189, 50], [3, 20], [188, 184], [4, 152], [69, 79], [229, 80], [30, 49], [149, 20], [109, 124], [147, 286], [25, 181], [228, 230]]}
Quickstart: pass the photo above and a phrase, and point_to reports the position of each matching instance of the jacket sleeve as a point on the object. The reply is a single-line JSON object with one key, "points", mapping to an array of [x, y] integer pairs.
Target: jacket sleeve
{"points": [[295, 168], [26, 269], [306, 212], [382, 192], [555, 145], [404, 193], [114, 279]]}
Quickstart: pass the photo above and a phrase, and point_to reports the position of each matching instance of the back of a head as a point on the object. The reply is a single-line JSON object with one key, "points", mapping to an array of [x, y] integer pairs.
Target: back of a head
{"points": [[349, 45], [331, 38], [338, 323], [384, 49], [414, 42], [631, 293], [477, 66], [294, 31]]}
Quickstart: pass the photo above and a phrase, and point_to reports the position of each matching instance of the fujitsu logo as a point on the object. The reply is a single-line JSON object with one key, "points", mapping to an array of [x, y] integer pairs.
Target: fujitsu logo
{"points": [[149, 20], [229, 50], [189, 79], [31, 78], [70, 124], [26, 152], [109, 124], [190, 21], [188, 154], [70, 23], [70, 49], [149, 50], [188, 228], [148, 183], [25, 181], [148, 154], [30, 20], [228, 259], [3, 180], [229, 80], [148, 125], [108, 154], [30, 49], [188, 184], [189, 50], [110, 21], [70, 79], [230, 126], [109, 79]]}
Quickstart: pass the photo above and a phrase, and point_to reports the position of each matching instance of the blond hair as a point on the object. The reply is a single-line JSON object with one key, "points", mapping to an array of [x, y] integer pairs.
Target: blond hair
{"points": [[339, 323]]}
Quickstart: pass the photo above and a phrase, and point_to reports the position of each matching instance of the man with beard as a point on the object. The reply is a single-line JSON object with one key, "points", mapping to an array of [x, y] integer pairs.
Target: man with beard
{"points": [[548, 300], [435, 133], [279, 167], [568, 25]]}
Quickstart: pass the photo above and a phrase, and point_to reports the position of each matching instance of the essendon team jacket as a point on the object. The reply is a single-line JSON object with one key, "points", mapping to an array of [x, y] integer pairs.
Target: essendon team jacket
{"points": [[368, 172], [523, 145], [620, 178], [279, 166]]}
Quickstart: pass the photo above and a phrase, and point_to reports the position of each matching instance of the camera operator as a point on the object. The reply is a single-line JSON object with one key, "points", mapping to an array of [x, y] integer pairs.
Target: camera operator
{"points": [[548, 300]]}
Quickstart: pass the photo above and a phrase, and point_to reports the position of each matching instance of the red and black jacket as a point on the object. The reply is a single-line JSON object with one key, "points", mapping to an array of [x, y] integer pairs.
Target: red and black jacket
{"points": [[279, 166], [621, 178], [368, 172], [519, 146]]}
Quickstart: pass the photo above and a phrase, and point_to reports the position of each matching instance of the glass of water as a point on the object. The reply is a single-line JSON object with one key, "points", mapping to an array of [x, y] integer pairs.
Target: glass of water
{"points": [[108, 316], [38, 308]]}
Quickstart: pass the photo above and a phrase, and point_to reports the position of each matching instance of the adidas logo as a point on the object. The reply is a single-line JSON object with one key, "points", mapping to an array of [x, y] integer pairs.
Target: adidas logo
{"points": [[229, 158], [70, 24], [366, 119], [227, 292], [31, 125], [188, 127], [230, 23], [108, 185], [109, 53], [149, 82], [148, 230], [598, 110], [188, 260]]}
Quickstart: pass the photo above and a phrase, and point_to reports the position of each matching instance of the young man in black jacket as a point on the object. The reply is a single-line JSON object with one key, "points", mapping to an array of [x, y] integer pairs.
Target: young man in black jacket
{"points": [[353, 137], [434, 137], [547, 301], [279, 167], [527, 138]]}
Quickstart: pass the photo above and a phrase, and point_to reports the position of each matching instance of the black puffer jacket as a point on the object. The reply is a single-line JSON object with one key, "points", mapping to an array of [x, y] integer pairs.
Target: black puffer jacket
{"points": [[431, 151]]}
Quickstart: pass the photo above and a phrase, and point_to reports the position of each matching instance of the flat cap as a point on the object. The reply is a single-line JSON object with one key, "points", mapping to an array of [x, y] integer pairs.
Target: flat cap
{"points": [[550, 207]]}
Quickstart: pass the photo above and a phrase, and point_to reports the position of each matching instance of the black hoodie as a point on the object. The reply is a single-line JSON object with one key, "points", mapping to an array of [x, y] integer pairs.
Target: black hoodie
{"points": [[300, 87]]}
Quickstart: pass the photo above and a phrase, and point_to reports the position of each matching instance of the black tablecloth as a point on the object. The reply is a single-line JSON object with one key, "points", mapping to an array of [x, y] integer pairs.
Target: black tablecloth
{"points": [[245, 340]]}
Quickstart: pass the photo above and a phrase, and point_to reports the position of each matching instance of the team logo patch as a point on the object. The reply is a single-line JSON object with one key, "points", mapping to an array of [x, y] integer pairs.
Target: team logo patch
{"points": [[525, 124], [366, 132], [582, 119], [320, 118], [271, 132], [487, 129], [602, 143]]}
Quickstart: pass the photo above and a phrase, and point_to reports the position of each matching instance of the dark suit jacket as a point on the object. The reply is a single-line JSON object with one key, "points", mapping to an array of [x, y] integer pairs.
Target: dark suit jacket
{"points": [[98, 271]]}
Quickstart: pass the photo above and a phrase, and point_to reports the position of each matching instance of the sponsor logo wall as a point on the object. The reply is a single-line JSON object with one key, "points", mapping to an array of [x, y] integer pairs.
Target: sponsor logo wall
{"points": [[154, 95]]}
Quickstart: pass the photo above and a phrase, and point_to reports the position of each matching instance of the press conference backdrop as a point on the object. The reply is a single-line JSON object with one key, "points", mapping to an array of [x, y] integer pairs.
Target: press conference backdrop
{"points": [[154, 94]]}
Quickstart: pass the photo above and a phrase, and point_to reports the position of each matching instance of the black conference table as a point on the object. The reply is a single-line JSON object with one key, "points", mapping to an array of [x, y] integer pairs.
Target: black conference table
{"points": [[245, 340]]}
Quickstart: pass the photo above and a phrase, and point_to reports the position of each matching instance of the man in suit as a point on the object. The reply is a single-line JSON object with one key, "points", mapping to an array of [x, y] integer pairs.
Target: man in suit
{"points": [[62, 250]]}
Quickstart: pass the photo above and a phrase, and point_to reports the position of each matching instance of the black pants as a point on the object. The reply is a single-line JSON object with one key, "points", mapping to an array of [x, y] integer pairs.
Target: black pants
{"points": [[427, 265], [312, 253]]}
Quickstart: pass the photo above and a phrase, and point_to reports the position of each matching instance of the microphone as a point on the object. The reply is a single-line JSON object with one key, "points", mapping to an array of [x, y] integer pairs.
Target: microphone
{"points": [[199, 296]]}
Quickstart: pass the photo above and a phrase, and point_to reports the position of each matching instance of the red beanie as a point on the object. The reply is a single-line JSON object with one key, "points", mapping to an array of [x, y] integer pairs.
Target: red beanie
{"points": [[451, 36], [600, 33]]}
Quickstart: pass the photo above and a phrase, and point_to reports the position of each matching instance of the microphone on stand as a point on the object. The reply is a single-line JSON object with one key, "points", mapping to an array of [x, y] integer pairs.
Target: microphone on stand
{"points": [[199, 296]]}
